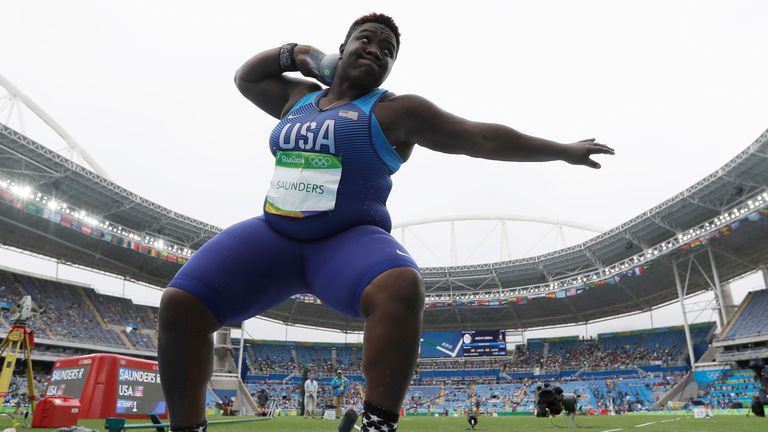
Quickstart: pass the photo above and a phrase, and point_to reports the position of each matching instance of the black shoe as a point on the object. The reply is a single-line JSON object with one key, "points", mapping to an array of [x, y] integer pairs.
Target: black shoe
{"points": [[348, 421]]}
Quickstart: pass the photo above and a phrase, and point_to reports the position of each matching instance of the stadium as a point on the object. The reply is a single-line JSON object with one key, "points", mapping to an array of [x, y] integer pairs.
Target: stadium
{"points": [[71, 348]]}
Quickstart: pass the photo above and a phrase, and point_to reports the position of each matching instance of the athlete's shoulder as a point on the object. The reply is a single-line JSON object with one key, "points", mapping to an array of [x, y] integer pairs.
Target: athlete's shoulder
{"points": [[298, 93], [407, 105]]}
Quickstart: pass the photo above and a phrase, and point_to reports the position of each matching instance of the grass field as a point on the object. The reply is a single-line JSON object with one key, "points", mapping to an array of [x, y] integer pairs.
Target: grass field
{"points": [[683, 423]]}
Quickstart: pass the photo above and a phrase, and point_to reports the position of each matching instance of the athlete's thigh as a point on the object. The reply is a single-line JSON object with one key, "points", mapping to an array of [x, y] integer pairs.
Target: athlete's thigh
{"points": [[340, 267], [243, 271]]}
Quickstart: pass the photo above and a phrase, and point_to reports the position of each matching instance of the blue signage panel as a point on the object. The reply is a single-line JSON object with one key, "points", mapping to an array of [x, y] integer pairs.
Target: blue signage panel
{"points": [[441, 344]]}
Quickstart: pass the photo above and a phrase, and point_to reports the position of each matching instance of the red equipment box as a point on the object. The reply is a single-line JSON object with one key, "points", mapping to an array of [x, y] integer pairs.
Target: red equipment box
{"points": [[56, 412], [109, 385]]}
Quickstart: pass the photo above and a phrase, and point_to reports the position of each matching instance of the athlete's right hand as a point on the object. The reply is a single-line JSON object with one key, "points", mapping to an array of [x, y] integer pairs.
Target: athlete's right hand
{"points": [[579, 153], [310, 62]]}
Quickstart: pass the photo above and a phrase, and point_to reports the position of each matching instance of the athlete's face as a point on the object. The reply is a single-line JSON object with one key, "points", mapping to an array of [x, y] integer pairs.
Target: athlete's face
{"points": [[368, 55]]}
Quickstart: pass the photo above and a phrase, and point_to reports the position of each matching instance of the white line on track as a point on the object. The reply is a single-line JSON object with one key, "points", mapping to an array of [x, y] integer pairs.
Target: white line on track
{"points": [[645, 424], [611, 430]]}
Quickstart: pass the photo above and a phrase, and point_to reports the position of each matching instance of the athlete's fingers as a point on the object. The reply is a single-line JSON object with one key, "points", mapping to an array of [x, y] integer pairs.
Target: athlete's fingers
{"points": [[588, 140], [592, 164], [601, 150], [604, 146]]}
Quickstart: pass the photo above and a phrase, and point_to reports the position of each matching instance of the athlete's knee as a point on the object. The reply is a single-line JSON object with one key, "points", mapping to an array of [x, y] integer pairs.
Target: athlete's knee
{"points": [[181, 312], [400, 287]]}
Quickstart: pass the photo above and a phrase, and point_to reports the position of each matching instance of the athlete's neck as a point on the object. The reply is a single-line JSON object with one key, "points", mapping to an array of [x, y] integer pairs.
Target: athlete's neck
{"points": [[338, 92]]}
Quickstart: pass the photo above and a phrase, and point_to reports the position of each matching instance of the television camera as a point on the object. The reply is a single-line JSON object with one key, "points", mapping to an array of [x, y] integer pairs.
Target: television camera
{"points": [[551, 401]]}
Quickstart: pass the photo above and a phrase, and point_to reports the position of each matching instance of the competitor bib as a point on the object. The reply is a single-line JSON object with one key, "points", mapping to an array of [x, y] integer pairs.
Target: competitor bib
{"points": [[303, 184]]}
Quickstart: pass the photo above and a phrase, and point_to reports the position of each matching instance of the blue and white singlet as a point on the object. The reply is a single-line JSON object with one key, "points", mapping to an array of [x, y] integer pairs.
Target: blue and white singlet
{"points": [[351, 133]]}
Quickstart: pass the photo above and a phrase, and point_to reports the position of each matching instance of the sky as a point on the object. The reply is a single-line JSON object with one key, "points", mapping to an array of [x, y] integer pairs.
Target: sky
{"points": [[676, 87]]}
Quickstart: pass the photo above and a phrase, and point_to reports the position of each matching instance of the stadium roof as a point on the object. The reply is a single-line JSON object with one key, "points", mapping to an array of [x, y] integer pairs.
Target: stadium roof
{"points": [[657, 236]]}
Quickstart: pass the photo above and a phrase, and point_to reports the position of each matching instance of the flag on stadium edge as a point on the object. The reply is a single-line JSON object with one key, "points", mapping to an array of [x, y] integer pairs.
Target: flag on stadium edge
{"points": [[34, 209], [49, 214], [97, 233], [66, 221]]}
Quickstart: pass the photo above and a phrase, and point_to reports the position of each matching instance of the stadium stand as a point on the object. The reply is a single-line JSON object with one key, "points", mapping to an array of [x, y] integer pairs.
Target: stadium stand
{"points": [[269, 358], [660, 346], [314, 357], [274, 357], [74, 313], [288, 394], [440, 386], [121, 313], [734, 389], [617, 372], [752, 319], [349, 358]]}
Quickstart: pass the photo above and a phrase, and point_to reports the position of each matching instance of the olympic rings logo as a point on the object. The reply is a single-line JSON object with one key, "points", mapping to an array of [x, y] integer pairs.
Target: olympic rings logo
{"points": [[713, 375], [319, 161]]}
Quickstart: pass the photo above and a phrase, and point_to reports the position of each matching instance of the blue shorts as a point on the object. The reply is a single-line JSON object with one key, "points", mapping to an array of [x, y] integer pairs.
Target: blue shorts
{"points": [[248, 268]]}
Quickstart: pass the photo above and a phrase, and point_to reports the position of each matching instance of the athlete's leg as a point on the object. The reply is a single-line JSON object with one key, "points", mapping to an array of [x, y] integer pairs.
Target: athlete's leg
{"points": [[365, 272], [392, 304], [243, 271], [185, 353]]}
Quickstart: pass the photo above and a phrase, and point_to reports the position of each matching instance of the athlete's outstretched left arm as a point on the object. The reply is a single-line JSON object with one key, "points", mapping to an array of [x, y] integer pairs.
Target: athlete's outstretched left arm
{"points": [[422, 122]]}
